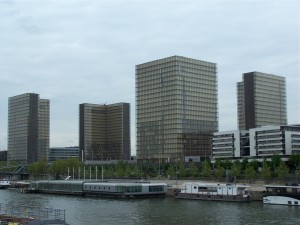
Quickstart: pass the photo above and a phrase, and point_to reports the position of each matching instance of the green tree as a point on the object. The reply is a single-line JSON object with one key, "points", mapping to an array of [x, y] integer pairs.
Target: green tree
{"points": [[255, 164], [227, 164], [266, 171], [206, 169], [120, 169], [219, 171], [57, 168], [38, 169], [294, 161], [236, 169], [250, 172], [218, 163], [181, 170], [275, 160], [171, 171], [109, 171], [282, 170], [127, 171], [193, 170], [244, 164]]}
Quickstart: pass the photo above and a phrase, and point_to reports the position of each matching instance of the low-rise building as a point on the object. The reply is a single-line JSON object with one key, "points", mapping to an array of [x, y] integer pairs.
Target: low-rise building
{"points": [[63, 153], [230, 144], [257, 142], [279, 140]]}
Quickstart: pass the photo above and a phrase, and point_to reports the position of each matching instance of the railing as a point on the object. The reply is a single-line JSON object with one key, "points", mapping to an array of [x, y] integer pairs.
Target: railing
{"points": [[32, 212]]}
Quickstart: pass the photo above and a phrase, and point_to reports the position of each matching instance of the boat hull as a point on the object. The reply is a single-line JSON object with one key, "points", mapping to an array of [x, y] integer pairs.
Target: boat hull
{"points": [[281, 200], [227, 198], [4, 186]]}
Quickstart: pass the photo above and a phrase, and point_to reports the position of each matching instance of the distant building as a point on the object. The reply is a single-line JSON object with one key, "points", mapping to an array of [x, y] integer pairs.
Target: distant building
{"points": [[176, 108], [28, 128], [279, 140], [261, 100], [63, 153], [230, 144], [257, 143], [104, 132], [3, 155]]}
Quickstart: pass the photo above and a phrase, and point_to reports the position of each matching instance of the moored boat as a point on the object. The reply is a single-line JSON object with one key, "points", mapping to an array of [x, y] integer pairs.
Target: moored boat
{"points": [[214, 192], [4, 184], [128, 189], [282, 195]]}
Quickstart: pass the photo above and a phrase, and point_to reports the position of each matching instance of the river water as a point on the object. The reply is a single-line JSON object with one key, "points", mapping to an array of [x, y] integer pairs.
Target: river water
{"points": [[155, 211]]}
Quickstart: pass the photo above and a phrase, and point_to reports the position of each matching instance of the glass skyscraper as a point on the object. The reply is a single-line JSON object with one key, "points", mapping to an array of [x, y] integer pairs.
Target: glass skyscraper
{"points": [[261, 100], [28, 128], [104, 131], [176, 108]]}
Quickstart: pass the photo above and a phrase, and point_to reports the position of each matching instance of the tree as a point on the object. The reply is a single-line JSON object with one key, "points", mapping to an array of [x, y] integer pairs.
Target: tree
{"points": [[250, 172], [236, 169], [57, 168], [266, 171], [282, 170], [244, 164], [276, 159], [254, 164], [193, 170], [206, 169], [181, 170], [219, 171], [227, 164], [171, 171], [294, 161]]}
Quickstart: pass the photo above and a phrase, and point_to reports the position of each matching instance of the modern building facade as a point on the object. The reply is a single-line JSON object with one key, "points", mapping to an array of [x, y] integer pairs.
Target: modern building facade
{"points": [[63, 153], [271, 140], [230, 144], [104, 132], [257, 143], [261, 100], [28, 128], [176, 108]]}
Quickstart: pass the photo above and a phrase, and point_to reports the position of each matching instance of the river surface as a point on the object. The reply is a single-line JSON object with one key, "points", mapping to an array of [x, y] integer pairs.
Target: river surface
{"points": [[156, 211]]}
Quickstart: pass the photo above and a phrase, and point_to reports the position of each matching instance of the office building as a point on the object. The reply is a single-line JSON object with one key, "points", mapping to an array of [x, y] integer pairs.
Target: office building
{"points": [[176, 108], [261, 100], [104, 132], [63, 153], [257, 143], [275, 140], [230, 144], [28, 128]]}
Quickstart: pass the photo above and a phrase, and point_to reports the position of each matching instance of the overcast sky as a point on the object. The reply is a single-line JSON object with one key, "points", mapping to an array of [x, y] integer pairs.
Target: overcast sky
{"points": [[81, 51]]}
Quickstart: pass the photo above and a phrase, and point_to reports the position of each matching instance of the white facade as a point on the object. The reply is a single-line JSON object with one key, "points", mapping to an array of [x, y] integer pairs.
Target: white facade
{"points": [[263, 141], [270, 140], [227, 144]]}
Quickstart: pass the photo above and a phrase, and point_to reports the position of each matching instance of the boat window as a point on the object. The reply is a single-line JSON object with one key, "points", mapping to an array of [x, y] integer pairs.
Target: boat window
{"points": [[289, 202], [295, 202], [156, 188]]}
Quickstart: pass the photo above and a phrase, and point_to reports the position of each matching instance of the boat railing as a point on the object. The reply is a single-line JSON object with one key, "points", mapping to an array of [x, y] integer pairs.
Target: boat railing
{"points": [[32, 212]]}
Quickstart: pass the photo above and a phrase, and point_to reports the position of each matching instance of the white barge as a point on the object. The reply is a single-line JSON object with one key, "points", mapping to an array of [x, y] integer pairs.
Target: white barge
{"points": [[214, 192], [282, 195]]}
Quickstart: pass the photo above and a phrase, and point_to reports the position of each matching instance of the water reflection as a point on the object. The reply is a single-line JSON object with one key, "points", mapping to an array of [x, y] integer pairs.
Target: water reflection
{"points": [[164, 211]]}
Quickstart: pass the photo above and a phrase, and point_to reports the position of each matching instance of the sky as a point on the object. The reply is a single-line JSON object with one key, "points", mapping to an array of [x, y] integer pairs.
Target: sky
{"points": [[85, 51]]}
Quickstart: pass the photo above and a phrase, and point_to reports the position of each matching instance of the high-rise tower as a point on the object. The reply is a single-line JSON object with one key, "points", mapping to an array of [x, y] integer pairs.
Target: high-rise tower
{"points": [[28, 128], [176, 108], [261, 100], [104, 131]]}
